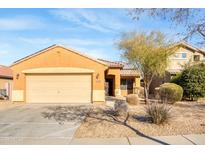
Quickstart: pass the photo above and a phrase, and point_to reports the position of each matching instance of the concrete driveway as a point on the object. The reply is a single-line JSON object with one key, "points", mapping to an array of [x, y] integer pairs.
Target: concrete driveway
{"points": [[37, 124]]}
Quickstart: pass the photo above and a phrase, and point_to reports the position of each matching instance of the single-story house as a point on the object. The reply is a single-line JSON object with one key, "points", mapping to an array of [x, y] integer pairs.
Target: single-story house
{"points": [[62, 75], [6, 79]]}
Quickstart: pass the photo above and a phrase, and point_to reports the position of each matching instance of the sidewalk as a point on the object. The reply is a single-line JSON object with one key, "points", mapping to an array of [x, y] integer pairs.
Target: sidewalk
{"points": [[198, 139], [159, 140]]}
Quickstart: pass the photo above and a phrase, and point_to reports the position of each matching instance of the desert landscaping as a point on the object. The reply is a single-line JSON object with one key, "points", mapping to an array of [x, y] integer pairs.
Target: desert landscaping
{"points": [[187, 118]]}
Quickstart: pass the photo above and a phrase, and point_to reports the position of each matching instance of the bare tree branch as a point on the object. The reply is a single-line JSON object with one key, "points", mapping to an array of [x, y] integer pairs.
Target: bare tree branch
{"points": [[193, 20]]}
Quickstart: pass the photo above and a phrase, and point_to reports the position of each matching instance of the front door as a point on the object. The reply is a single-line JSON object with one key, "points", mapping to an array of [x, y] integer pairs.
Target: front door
{"points": [[109, 87]]}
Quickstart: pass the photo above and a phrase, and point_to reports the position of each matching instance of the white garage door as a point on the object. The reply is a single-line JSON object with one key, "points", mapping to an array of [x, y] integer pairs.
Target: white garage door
{"points": [[58, 88]]}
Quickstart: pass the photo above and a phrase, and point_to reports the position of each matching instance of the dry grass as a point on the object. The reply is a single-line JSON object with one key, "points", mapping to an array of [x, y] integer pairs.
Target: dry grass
{"points": [[187, 118]]}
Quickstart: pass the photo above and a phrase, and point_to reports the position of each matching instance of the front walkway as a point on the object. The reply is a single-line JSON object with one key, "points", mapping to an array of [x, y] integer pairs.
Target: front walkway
{"points": [[159, 140]]}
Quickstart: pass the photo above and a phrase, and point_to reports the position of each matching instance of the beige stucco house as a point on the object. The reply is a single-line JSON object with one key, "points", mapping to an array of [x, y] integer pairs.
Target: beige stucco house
{"points": [[62, 75], [186, 54]]}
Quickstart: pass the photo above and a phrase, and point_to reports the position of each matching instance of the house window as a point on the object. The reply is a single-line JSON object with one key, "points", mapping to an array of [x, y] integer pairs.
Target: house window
{"points": [[129, 84], [123, 84], [126, 84], [176, 55], [196, 57], [184, 55]]}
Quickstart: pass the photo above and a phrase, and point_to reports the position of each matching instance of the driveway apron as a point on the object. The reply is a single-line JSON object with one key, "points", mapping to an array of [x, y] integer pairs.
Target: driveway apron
{"points": [[26, 125]]}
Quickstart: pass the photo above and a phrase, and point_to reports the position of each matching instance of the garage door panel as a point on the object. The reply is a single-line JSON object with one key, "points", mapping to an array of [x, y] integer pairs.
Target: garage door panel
{"points": [[58, 88]]}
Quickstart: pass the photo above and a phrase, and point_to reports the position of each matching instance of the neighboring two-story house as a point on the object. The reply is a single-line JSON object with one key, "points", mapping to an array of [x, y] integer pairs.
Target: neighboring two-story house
{"points": [[186, 54]]}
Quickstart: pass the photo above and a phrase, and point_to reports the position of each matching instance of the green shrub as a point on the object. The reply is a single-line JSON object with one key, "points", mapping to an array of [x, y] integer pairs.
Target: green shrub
{"points": [[170, 92], [159, 113], [192, 80], [176, 79]]}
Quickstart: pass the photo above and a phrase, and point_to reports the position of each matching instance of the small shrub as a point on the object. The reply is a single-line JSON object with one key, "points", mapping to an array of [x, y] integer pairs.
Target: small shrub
{"points": [[158, 113], [120, 107], [132, 99], [170, 92]]}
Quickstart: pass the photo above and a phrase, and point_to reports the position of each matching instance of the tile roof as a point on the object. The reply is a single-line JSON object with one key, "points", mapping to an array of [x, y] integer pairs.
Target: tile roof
{"points": [[183, 43], [127, 65], [5, 72], [112, 64], [129, 72], [126, 68]]}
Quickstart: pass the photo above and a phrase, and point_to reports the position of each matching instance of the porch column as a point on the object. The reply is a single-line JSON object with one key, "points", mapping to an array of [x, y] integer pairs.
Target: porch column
{"points": [[117, 85], [116, 73], [137, 85]]}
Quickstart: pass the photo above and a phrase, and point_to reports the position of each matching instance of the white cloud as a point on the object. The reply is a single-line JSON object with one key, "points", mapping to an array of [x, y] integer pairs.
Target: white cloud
{"points": [[92, 19], [100, 52], [20, 23], [91, 47], [67, 41], [84, 42], [94, 53]]}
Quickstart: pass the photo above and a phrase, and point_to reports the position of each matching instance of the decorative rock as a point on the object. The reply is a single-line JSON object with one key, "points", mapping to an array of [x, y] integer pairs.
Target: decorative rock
{"points": [[110, 104]]}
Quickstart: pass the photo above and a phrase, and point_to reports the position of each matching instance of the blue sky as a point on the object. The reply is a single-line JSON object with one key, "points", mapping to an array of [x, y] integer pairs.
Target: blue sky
{"points": [[91, 31]]}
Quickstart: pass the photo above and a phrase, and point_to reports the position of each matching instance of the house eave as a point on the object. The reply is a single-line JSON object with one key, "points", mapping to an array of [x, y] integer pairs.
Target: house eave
{"points": [[57, 70]]}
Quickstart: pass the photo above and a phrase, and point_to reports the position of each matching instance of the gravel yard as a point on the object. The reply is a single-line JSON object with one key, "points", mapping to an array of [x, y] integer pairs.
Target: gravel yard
{"points": [[187, 118]]}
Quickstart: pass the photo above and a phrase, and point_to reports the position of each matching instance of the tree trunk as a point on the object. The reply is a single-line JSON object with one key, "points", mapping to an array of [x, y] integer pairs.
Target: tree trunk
{"points": [[146, 93], [147, 83]]}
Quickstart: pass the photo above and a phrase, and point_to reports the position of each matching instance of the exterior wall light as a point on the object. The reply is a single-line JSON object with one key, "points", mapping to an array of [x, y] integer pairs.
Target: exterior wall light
{"points": [[97, 76], [17, 76]]}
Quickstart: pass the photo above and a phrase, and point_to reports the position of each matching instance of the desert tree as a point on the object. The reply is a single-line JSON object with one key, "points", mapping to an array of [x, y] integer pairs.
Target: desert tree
{"points": [[148, 52], [192, 20]]}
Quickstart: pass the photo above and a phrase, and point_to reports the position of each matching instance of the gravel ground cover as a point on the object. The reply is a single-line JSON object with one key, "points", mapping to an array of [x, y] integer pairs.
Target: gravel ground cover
{"points": [[187, 118]]}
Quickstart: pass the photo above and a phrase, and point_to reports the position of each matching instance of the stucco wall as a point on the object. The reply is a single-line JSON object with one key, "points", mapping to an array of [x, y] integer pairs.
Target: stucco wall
{"points": [[137, 82], [177, 63], [116, 73], [59, 57], [136, 86]]}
